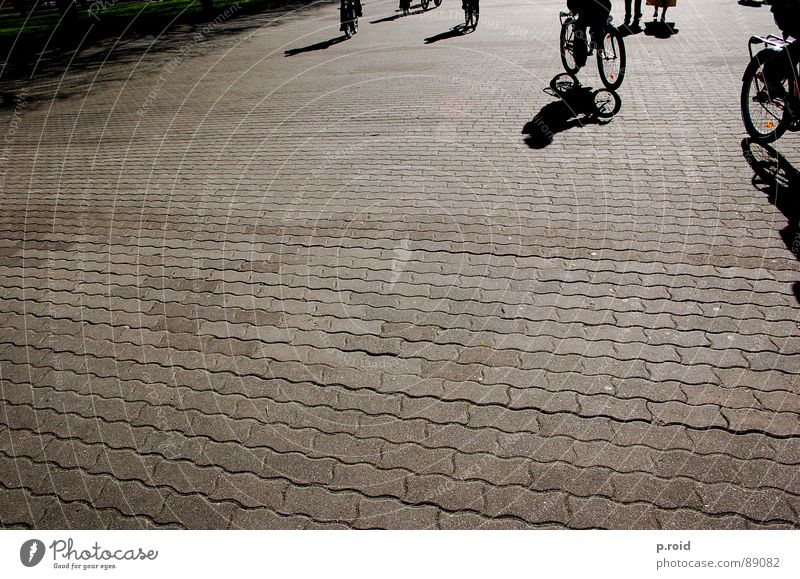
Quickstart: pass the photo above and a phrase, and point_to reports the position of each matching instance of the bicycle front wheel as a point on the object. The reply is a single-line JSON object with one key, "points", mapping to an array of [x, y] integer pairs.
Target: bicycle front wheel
{"points": [[611, 60], [567, 47], [606, 103], [765, 120]]}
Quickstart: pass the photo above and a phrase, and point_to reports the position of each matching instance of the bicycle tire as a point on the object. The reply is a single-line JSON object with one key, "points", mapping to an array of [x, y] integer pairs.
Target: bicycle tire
{"points": [[437, 3], [564, 83], [750, 77], [612, 79], [476, 15], [425, 4], [769, 165], [603, 111], [566, 42]]}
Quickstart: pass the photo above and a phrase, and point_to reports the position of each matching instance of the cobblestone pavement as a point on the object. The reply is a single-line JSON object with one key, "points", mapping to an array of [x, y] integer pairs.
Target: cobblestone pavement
{"points": [[335, 287]]}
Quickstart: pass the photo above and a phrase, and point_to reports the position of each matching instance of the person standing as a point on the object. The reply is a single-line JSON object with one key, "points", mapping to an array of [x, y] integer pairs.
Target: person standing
{"points": [[637, 16]]}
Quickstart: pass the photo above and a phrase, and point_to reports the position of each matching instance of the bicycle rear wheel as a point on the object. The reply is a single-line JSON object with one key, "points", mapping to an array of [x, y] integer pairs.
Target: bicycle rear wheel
{"points": [[765, 119], [567, 47], [611, 59]]}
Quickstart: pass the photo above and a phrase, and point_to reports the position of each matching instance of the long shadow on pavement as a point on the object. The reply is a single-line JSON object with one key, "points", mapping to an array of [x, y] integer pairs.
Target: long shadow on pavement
{"points": [[394, 17], [318, 46], [575, 107], [555, 117], [417, 9], [459, 30], [780, 180]]}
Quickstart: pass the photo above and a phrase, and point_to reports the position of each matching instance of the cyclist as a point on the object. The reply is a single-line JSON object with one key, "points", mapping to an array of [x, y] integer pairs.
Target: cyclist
{"points": [[591, 14], [466, 3], [783, 66]]}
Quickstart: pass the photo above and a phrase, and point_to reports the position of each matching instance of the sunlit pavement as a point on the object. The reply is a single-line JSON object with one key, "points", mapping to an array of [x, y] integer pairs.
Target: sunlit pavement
{"points": [[339, 287]]}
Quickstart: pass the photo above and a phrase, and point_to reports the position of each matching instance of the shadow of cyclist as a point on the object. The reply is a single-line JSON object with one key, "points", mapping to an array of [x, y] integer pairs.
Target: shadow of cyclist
{"points": [[575, 107], [397, 16], [775, 176], [459, 30], [554, 117], [317, 46], [780, 180]]}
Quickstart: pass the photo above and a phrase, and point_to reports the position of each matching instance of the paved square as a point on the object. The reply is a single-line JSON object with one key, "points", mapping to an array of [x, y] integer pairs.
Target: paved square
{"points": [[336, 287]]}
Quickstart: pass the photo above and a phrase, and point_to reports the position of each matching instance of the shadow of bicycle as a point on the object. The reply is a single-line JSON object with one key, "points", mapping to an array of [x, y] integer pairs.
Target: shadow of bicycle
{"points": [[780, 181], [576, 107]]}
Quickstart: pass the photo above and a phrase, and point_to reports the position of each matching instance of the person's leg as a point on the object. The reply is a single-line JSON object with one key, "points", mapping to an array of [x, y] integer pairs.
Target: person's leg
{"points": [[776, 71], [638, 13], [628, 11], [792, 61], [580, 46], [599, 22]]}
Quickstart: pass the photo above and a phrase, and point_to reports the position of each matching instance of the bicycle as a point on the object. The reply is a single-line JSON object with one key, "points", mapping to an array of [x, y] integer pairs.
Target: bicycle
{"points": [[349, 18], [427, 3], [611, 59], [767, 117], [471, 14]]}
